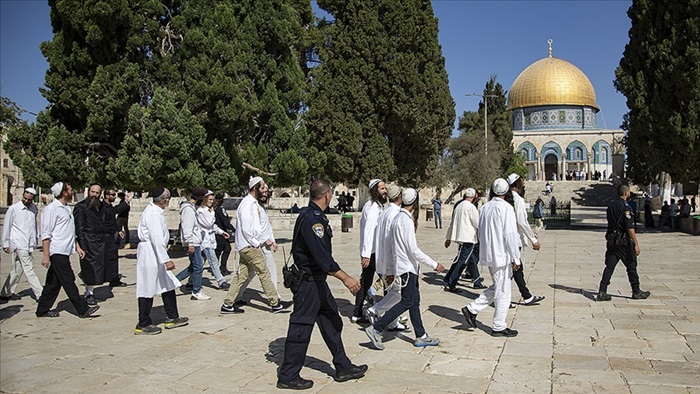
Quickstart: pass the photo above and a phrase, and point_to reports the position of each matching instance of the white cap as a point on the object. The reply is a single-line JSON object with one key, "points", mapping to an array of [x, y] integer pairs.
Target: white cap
{"points": [[470, 192], [254, 181], [500, 187], [512, 178], [408, 196], [33, 191], [374, 182], [393, 191], [57, 188], [208, 193]]}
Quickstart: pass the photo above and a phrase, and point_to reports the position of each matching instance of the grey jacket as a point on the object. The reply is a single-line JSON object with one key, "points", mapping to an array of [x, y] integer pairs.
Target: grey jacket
{"points": [[190, 233]]}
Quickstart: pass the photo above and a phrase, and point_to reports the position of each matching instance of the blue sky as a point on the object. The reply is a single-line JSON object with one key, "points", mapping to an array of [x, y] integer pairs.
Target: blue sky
{"points": [[478, 38]]}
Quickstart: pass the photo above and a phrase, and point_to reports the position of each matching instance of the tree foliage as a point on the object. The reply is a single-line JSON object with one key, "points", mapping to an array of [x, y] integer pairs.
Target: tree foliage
{"points": [[380, 104], [659, 74]]}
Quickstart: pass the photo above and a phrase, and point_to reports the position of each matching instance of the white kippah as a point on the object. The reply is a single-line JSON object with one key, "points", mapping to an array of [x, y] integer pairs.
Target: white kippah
{"points": [[374, 182], [57, 188], [512, 178], [500, 187], [254, 181], [33, 191], [470, 192], [409, 196]]}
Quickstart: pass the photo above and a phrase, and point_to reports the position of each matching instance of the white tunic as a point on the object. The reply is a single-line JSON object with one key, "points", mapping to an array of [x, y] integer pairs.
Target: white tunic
{"points": [[498, 234], [524, 230], [382, 239], [404, 248], [465, 222], [151, 276], [57, 224], [368, 223]]}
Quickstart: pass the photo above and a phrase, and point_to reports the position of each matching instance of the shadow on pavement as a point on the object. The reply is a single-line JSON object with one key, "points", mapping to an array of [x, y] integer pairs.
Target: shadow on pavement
{"points": [[590, 294], [9, 311], [275, 354]]}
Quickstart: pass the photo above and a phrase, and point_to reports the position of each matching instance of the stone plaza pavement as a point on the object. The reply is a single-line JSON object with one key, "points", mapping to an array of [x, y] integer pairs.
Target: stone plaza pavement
{"points": [[568, 344]]}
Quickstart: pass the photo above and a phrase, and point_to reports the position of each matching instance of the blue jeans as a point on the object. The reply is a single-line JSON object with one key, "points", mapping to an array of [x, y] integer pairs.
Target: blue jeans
{"points": [[194, 270], [210, 254], [410, 301], [467, 257], [438, 217]]}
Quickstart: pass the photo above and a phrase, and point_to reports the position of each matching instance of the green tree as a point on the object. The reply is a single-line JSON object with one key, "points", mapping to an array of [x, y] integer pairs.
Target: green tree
{"points": [[165, 145], [380, 102], [659, 74]]}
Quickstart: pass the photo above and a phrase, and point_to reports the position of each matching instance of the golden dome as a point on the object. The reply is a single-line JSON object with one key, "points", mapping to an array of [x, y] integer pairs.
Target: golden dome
{"points": [[551, 81]]}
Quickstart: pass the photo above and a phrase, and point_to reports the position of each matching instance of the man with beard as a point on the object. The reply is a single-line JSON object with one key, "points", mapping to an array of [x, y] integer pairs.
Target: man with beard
{"points": [[249, 241], [517, 187], [267, 251], [90, 241], [58, 243], [368, 224], [19, 239], [112, 239]]}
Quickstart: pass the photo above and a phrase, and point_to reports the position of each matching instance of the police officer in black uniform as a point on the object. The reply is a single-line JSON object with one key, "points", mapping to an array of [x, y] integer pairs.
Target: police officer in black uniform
{"points": [[622, 245], [313, 300]]}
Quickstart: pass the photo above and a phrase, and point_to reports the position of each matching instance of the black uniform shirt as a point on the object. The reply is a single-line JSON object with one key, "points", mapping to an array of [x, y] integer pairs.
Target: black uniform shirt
{"points": [[311, 246], [619, 216], [222, 219], [110, 220]]}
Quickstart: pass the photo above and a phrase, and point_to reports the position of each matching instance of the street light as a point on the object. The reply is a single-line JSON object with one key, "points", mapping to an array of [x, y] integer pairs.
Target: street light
{"points": [[486, 118]]}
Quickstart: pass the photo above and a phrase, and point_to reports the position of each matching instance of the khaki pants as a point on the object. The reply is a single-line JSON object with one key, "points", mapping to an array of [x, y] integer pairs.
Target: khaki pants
{"points": [[22, 262], [271, 267], [251, 259]]}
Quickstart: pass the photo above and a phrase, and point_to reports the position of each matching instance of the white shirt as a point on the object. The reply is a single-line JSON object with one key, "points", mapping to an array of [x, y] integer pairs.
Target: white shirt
{"points": [[498, 234], [404, 249], [57, 225], [248, 229], [673, 210], [465, 222], [205, 220], [19, 228], [524, 229], [382, 238], [368, 223]]}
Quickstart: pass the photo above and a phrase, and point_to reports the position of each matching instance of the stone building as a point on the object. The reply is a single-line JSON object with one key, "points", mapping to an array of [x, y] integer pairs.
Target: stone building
{"points": [[12, 183], [554, 111]]}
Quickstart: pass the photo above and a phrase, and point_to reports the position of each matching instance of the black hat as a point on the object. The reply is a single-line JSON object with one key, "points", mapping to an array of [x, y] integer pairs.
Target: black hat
{"points": [[157, 192], [219, 196], [198, 192]]}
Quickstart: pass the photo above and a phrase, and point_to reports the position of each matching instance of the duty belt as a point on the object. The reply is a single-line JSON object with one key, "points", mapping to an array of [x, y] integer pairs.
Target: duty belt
{"points": [[315, 278]]}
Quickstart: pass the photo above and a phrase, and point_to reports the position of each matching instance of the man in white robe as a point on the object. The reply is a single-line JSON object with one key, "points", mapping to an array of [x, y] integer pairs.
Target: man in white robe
{"points": [[154, 269], [498, 250]]}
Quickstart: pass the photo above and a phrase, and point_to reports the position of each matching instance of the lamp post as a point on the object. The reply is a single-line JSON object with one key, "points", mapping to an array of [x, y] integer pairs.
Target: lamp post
{"points": [[486, 118]]}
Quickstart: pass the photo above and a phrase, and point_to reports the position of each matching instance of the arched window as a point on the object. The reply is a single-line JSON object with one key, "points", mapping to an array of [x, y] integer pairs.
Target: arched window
{"points": [[604, 155], [525, 154], [578, 154], [5, 163]]}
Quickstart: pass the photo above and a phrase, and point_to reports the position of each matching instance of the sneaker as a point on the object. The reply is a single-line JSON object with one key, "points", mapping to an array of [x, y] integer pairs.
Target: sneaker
{"points": [[603, 296], [427, 341], [375, 337], [359, 320], [296, 384], [227, 310], [199, 296], [224, 286], [176, 322], [399, 327], [471, 317], [533, 300], [641, 295], [371, 315], [504, 333], [281, 306], [90, 311], [451, 289], [148, 330], [49, 314], [350, 373], [403, 319]]}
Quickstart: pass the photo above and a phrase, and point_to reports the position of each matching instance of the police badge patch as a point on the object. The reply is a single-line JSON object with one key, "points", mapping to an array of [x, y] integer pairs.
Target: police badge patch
{"points": [[318, 230], [628, 214]]}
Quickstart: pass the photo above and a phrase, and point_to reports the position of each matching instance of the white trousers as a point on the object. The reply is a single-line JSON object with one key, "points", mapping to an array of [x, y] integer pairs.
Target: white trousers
{"points": [[22, 262], [391, 298], [498, 294], [270, 264]]}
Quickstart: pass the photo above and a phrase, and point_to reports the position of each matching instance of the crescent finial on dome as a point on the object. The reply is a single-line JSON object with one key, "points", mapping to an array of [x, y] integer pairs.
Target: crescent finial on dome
{"points": [[550, 46]]}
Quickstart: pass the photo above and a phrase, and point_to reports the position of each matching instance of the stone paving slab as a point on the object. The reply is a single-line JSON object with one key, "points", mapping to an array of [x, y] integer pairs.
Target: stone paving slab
{"points": [[567, 344]]}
